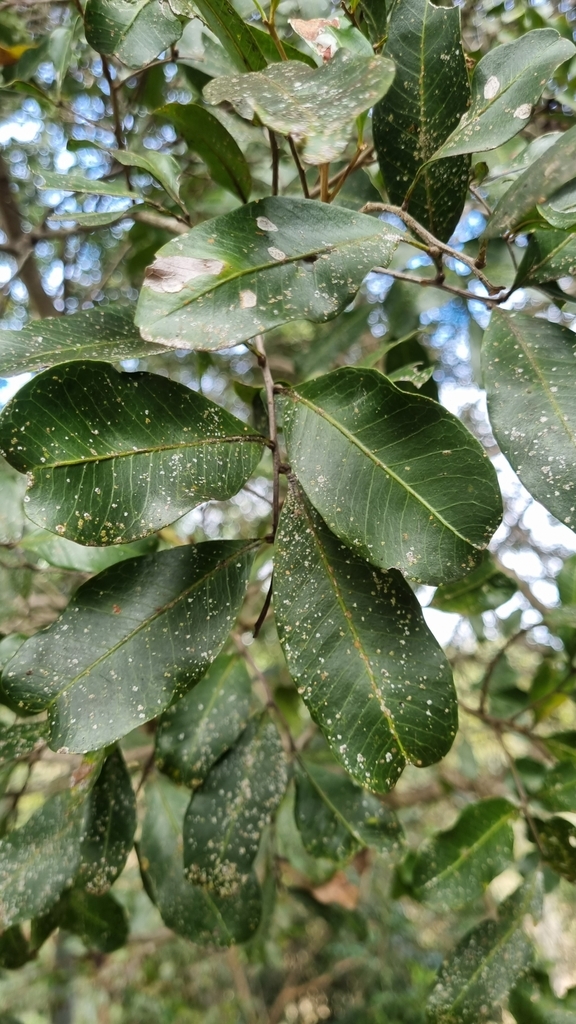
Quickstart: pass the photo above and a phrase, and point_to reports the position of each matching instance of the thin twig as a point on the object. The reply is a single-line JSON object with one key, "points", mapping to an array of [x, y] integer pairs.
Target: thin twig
{"points": [[265, 607], [433, 282], [506, 725], [347, 172], [275, 161], [366, 158], [115, 107], [493, 663], [324, 170], [522, 795], [269, 387], [299, 167]]}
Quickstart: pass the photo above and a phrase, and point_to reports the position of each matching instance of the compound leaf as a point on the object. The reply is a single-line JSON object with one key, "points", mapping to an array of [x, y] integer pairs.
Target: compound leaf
{"points": [[270, 262], [115, 456], [366, 665], [402, 481], [132, 640]]}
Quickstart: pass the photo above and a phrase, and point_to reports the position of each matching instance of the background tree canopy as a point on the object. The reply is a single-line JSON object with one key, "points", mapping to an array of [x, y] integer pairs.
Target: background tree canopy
{"points": [[288, 501]]}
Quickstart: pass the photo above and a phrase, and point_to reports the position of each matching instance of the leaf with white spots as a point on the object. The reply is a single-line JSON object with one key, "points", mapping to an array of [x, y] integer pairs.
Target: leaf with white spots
{"points": [[560, 209], [135, 31], [429, 94], [19, 741], [528, 368], [478, 975], [506, 85], [393, 474], [225, 820], [548, 256], [103, 333], [367, 667], [112, 456], [455, 867], [110, 827], [336, 818], [133, 639], [239, 42], [316, 106], [189, 910], [206, 136], [230, 278], [194, 733]]}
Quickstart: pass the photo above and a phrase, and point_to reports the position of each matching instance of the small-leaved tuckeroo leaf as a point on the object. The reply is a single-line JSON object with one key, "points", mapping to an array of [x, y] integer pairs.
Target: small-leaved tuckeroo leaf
{"points": [[548, 256], [317, 106], [506, 84], [487, 962], [19, 741], [402, 480], [134, 32], [103, 333], [110, 827], [194, 733], [336, 818], [239, 42], [132, 640], [455, 867], [226, 818], [206, 135], [539, 181], [100, 921], [112, 456], [368, 669], [188, 909], [482, 590], [528, 368], [429, 94], [261, 266]]}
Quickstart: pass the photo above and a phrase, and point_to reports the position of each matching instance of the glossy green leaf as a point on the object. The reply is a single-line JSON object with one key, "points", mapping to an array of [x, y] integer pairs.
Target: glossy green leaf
{"points": [[236, 38], [372, 14], [132, 640], [40, 859], [225, 820], [110, 827], [100, 921], [163, 167], [261, 266], [91, 186], [549, 255], [117, 468], [528, 367], [134, 31], [539, 181], [92, 220], [55, 47], [560, 209], [104, 333], [455, 867], [482, 590], [566, 581], [206, 136], [558, 790], [429, 94], [487, 962], [65, 554], [189, 910], [506, 85], [557, 844], [402, 480], [317, 106], [19, 741], [194, 733], [336, 818], [366, 665], [13, 488]]}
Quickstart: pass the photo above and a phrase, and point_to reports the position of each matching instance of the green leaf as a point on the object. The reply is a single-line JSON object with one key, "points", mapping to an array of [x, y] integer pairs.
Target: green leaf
{"points": [[539, 181], [562, 745], [92, 220], [235, 36], [557, 842], [14, 951], [194, 733], [428, 96], [110, 827], [132, 640], [368, 669], [40, 859], [206, 136], [401, 479], [189, 910], [268, 47], [482, 590], [487, 962], [65, 554], [162, 166], [106, 333], [315, 105], [506, 85], [536, 1004], [373, 16], [225, 820], [11, 507], [100, 921], [560, 209], [92, 186], [548, 256], [528, 367], [455, 867], [336, 818], [119, 468], [558, 791], [135, 31], [55, 47], [19, 741], [261, 266], [566, 581]]}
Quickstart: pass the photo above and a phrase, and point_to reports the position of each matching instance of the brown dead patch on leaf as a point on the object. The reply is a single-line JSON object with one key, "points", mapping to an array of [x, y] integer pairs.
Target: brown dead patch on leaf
{"points": [[172, 273], [314, 33]]}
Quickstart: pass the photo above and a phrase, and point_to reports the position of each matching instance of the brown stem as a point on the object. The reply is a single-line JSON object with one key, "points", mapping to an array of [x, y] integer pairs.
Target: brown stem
{"points": [[324, 170], [22, 246], [269, 387], [299, 167], [265, 607], [275, 161], [115, 108], [366, 158], [434, 282], [346, 173]]}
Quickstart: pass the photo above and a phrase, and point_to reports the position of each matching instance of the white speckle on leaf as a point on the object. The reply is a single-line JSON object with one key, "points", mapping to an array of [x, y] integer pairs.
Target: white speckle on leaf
{"points": [[247, 299], [523, 111], [276, 254], [265, 225], [171, 273], [491, 88]]}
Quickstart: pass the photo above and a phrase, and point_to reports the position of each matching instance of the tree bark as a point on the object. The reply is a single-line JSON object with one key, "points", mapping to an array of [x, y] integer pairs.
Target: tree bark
{"points": [[22, 247]]}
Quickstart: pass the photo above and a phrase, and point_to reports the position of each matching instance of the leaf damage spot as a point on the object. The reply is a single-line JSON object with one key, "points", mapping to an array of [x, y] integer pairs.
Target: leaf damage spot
{"points": [[523, 111], [247, 299], [491, 88], [172, 273], [277, 254], [265, 225]]}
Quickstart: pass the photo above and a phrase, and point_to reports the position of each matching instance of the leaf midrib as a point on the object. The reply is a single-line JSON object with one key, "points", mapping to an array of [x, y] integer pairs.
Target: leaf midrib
{"points": [[249, 438], [469, 852]]}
